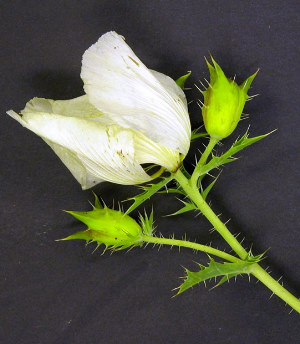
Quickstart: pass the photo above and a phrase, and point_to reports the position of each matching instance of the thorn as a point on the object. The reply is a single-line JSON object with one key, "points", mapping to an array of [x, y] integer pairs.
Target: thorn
{"points": [[198, 213], [236, 235], [203, 85], [130, 248], [225, 223], [253, 96], [208, 83], [96, 248], [104, 250], [200, 103], [198, 88]]}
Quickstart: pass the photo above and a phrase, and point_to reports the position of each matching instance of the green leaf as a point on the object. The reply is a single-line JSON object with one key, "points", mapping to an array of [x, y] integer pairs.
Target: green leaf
{"points": [[227, 157], [148, 191], [215, 269], [181, 81], [188, 206], [206, 191]]}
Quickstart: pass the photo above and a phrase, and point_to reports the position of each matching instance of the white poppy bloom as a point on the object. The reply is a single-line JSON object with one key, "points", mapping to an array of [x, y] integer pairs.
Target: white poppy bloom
{"points": [[129, 116]]}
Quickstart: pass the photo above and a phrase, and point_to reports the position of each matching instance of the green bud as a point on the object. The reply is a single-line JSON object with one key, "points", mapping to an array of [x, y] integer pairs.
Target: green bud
{"points": [[109, 227], [224, 101]]}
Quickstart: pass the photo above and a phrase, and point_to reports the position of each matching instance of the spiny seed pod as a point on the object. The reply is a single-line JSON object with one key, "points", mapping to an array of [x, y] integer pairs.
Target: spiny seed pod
{"points": [[224, 101], [109, 227]]}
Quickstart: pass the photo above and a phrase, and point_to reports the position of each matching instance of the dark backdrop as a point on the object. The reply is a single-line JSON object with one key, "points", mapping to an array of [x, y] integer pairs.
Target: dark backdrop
{"points": [[59, 292]]}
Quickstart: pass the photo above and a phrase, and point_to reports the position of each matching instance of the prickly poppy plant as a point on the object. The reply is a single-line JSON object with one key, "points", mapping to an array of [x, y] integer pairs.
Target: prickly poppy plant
{"points": [[132, 127]]}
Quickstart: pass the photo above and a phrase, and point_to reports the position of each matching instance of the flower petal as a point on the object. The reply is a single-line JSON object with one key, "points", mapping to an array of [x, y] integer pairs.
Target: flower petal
{"points": [[77, 107], [121, 86], [75, 165], [170, 85], [93, 151], [107, 152]]}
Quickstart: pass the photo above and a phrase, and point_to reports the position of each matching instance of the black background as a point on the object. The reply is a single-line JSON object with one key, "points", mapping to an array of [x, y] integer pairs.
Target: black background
{"points": [[59, 292]]}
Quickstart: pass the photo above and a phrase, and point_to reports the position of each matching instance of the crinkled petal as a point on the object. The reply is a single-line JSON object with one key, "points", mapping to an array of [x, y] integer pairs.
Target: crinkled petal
{"points": [[77, 107], [121, 86], [75, 165], [106, 152], [94, 151], [170, 85]]}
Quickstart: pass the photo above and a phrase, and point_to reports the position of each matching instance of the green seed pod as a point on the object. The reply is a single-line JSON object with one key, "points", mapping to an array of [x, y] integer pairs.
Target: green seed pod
{"points": [[224, 101], [110, 227]]}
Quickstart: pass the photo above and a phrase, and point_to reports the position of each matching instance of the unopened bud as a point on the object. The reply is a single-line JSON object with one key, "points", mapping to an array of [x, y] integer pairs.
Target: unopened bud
{"points": [[224, 101]]}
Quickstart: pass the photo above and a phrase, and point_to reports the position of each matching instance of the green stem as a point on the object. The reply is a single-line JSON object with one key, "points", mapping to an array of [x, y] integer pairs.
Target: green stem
{"points": [[192, 245], [204, 157], [189, 186]]}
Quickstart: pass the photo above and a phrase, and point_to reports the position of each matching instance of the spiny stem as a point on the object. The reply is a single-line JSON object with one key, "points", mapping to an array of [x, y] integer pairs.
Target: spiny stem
{"points": [[204, 157], [192, 245], [190, 188]]}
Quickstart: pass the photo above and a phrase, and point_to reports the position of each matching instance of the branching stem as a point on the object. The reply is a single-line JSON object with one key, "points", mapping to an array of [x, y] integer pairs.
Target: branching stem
{"points": [[192, 245], [190, 188]]}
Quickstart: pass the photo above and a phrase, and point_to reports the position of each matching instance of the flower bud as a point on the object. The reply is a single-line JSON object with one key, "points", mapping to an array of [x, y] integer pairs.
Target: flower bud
{"points": [[224, 101], [110, 227]]}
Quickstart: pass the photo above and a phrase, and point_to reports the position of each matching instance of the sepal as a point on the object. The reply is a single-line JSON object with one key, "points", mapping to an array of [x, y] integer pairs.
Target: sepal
{"points": [[181, 81], [147, 223]]}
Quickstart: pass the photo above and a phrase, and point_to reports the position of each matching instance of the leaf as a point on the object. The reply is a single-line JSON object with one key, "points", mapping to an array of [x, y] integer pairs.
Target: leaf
{"points": [[148, 191], [187, 207], [181, 81], [215, 269], [227, 157], [206, 191]]}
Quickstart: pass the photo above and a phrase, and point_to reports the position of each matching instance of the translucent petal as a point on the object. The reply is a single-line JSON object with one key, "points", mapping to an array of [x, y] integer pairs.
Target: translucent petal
{"points": [[131, 95], [107, 152], [77, 107], [75, 165], [93, 151]]}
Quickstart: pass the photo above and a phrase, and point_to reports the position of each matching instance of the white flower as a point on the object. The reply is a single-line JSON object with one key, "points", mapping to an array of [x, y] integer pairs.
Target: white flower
{"points": [[129, 116]]}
